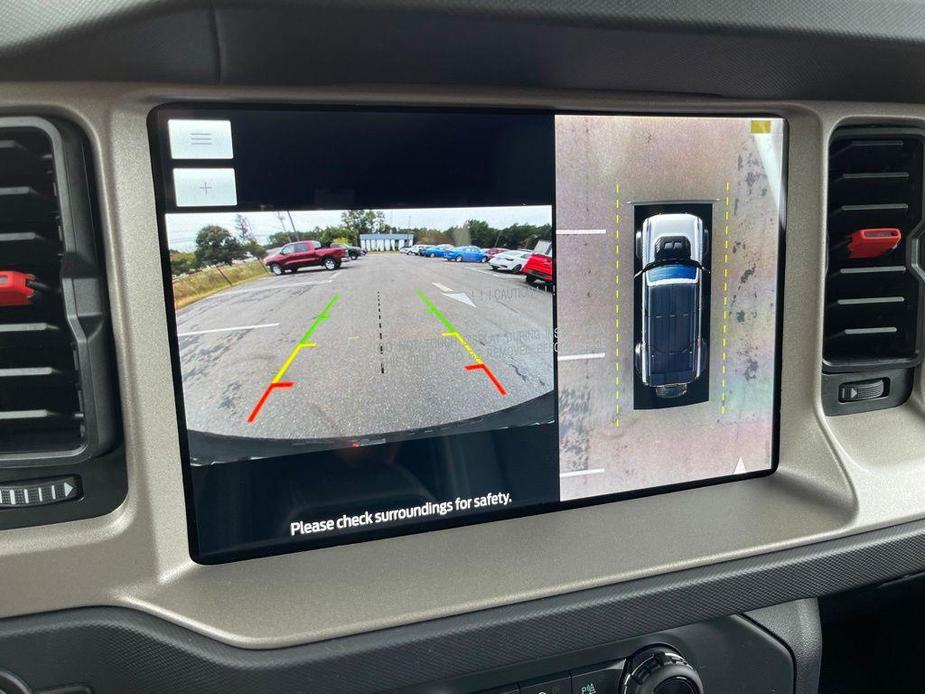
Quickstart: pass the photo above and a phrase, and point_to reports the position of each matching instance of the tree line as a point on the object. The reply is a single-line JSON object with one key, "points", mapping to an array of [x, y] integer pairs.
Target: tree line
{"points": [[216, 245]]}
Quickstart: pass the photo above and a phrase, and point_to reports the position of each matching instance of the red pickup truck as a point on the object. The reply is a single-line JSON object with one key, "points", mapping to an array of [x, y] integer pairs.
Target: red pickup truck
{"points": [[299, 254]]}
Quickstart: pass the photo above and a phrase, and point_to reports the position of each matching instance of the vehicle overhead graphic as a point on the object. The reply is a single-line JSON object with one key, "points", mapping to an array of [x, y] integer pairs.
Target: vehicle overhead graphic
{"points": [[672, 352], [294, 256]]}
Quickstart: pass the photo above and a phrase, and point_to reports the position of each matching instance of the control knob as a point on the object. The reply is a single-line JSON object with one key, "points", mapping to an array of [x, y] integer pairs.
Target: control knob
{"points": [[660, 670]]}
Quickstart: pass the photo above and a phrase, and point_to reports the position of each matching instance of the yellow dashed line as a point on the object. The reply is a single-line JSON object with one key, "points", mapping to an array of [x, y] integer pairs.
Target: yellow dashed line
{"points": [[722, 407], [616, 351]]}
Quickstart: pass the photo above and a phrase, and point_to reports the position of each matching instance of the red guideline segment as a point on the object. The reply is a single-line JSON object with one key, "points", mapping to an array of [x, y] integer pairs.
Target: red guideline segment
{"points": [[266, 394], [491, 376]]}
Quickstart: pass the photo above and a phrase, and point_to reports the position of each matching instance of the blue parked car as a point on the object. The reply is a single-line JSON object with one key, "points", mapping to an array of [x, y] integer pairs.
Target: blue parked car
{"points": [[466, 254], [436, 251]]}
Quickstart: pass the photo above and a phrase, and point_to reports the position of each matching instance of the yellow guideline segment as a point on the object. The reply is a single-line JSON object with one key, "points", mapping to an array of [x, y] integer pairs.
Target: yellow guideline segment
{"points": [[304, 342], [286, 364], [466, 345], [722, 401]]}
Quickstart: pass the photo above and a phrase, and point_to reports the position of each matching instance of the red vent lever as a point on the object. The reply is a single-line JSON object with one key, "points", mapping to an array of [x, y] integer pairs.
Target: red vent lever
{"points": [[872, 243], [16, 288]]}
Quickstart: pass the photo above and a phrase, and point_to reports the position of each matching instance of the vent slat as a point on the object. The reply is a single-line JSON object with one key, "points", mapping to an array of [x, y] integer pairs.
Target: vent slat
{"points": [[38, 415], [29, 246], [870, 300], [20, 164], [46, 373], [888, 208], [859, 153], [879, 176], [20, 204], [28, 329], [874, 270]]}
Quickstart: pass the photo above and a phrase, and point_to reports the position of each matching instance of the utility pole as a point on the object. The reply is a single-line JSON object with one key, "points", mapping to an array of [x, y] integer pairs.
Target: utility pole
{"points": [[295, 233], [282, 224], [224, 277]]}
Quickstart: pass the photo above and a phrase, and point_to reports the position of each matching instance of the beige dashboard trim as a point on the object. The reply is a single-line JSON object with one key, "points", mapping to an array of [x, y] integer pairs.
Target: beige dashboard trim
{"points": [[832, 480]]}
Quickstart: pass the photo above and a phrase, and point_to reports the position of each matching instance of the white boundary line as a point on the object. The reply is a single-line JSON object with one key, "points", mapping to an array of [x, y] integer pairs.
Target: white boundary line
{"points": [[579, 232], [227, 330], [441, 287], [576, 357], [496, 273], [582, 473], [274, 286]]}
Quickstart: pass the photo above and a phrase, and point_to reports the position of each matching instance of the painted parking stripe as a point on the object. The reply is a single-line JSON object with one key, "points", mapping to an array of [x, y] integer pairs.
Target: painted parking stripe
{"points": [[577, 357], [579, 232], [582, 473], [441, 287], [275, 286], [499, 275], [227, 330]]}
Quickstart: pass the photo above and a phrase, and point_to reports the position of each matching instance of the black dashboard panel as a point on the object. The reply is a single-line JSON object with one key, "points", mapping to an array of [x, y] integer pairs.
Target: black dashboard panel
{"points": [[780, 49], [774, 650]]}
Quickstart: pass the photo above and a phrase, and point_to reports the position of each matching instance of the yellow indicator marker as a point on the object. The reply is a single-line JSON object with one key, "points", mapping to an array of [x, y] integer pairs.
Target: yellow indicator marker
{"points": [[761, 127]]}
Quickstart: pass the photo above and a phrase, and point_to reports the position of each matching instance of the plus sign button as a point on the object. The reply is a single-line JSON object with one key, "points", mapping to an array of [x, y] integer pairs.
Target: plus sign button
{"points": [[205, 188]]}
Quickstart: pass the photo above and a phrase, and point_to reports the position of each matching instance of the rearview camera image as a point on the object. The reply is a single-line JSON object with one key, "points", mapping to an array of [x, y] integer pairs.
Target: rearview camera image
{"points": [[668, 236], [348, 327]]}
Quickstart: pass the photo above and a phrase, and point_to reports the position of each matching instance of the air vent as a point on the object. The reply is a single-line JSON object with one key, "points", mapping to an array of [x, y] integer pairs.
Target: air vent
{"points": [[56, 401], [873, 290]]}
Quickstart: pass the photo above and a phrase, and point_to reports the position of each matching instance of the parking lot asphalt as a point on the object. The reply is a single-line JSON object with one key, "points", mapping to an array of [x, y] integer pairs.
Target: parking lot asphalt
{"points": [[385, 344]]}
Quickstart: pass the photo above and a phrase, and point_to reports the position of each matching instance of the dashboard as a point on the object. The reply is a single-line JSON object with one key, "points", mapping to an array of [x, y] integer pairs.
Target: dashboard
{"points": [[522, 348]]}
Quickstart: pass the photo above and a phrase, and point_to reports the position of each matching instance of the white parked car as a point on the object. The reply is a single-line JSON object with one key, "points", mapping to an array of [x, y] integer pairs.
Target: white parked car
{"points": [[509, 261], [415, 249]]}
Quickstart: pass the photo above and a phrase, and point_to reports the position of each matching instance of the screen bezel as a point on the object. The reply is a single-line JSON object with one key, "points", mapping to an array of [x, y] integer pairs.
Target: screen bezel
{"points": [[156, 122]]}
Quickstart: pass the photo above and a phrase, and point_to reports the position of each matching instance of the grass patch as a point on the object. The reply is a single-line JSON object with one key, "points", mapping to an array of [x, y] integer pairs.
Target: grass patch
{"points": [[207, 281]]}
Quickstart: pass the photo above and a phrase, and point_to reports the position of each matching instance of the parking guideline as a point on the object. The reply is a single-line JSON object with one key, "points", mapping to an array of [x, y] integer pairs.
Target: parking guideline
{"points": [[451, 331], [305, 342], [724, 392]]}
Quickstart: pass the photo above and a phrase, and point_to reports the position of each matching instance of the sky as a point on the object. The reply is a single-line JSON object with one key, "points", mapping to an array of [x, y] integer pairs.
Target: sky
{"points": [[182, 226]]}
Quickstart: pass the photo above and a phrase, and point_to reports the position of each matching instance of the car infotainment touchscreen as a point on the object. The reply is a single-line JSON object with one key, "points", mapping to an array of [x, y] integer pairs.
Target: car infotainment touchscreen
{"points": [[389, 321]]}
